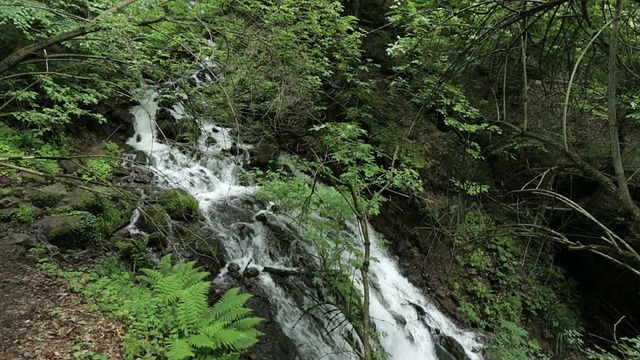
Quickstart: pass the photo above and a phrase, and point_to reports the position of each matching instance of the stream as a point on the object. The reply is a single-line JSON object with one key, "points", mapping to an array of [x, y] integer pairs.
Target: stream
{"points": [[253, 237]]}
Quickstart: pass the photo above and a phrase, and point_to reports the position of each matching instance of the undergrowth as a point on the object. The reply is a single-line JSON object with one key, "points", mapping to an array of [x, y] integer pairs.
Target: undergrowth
{"points": [[508, 285], [168, 317]]}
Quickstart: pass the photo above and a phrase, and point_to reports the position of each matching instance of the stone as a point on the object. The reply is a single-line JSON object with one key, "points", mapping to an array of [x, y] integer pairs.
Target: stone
{"points": [[442, 353], [233, 267], [152, 219], [18, 239], [49, 196], [452, 347], [141, 158], [9, 202], [251, 272], [400, 320], [262, 217], [210, 141], [70, 231], [262, 154], [235, 150], [180, 205]]}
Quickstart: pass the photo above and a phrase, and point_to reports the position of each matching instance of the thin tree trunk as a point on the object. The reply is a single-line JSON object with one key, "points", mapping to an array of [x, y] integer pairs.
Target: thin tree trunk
{"points": [[525, 85], [17, 56], [625, 196], [364, 271]]}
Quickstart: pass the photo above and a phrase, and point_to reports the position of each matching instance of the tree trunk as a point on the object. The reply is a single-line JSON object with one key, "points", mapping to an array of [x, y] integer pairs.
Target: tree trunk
{"points": [[364, 271], [525, 82], [623, 189]]}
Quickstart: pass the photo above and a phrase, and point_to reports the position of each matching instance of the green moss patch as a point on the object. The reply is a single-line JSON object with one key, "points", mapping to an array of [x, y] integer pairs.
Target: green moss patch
{"points": [[180, 205]]}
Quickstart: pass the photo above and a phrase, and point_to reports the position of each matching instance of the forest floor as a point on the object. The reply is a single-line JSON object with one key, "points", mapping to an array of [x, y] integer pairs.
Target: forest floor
{"points": [[42, 318]]}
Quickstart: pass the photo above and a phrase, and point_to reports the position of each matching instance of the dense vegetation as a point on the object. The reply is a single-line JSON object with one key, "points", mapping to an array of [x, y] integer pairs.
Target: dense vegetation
{"points": [[507, 129]]}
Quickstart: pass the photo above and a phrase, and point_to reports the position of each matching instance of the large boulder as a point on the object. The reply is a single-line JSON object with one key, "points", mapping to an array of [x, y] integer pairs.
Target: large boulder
{"points": [[449, 348], [48, 196], [180, 205], [70, 231]]}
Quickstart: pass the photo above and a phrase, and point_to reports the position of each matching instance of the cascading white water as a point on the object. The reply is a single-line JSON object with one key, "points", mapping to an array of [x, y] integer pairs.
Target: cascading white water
{"points": [[399, 310]]}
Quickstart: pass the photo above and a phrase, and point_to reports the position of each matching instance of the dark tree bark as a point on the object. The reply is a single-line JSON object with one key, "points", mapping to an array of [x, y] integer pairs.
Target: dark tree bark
{"points": [[612, 83]]}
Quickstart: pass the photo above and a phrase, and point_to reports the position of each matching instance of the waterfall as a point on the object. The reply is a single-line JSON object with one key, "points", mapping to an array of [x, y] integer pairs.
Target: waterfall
{"points": [[253, 236]]}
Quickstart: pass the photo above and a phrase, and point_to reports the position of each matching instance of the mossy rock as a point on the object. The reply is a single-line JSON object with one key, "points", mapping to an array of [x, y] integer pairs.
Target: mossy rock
{"points": [[133, 250], [152, 219], [72, 230], [185, 130], [23, 214], [10, 202], [180, 205], [49, 196], [113, 213]]}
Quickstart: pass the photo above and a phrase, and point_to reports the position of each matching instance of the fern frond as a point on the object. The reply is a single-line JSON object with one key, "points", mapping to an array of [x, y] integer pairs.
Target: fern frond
{"points": [[165, 267], [169, 288], [201, 341], [230, 339], [189, 274], [246, 324], [246, 342], [151, 276], [179, 350], [198, 328], [192, 307], [229, 304], [211, 330]]}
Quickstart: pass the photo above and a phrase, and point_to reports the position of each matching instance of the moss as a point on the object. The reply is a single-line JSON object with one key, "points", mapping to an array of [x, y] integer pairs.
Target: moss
{"points": [[109, 214], [134, 251], [153, 219], [23, 214], [186, 130], [77, 229], [48, 196], [194, 242], [180, 205]]}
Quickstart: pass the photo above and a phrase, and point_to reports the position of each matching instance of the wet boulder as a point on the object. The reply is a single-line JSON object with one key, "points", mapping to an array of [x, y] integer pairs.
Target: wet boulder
{"points": [[251, 272], [180, 205], [449, 348]]}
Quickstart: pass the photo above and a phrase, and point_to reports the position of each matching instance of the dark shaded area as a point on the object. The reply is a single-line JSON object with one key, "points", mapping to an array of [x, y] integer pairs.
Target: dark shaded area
{"points": [[609, 295]]}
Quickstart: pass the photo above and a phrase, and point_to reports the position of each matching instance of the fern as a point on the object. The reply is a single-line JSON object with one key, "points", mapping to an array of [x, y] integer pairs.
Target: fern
{"points": [[221, 330]]}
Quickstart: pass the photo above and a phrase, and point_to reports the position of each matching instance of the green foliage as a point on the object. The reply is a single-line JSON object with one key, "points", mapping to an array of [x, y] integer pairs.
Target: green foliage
{"points": [[510, 342], [220, 329], [622, 349], [100, 169], [173, 320], [97, 170], [506, 287], [134, 251], [322, 211], [23, 214], [79, 353], [17, 143], [95, 217], [179, 204], [360, 169]]}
